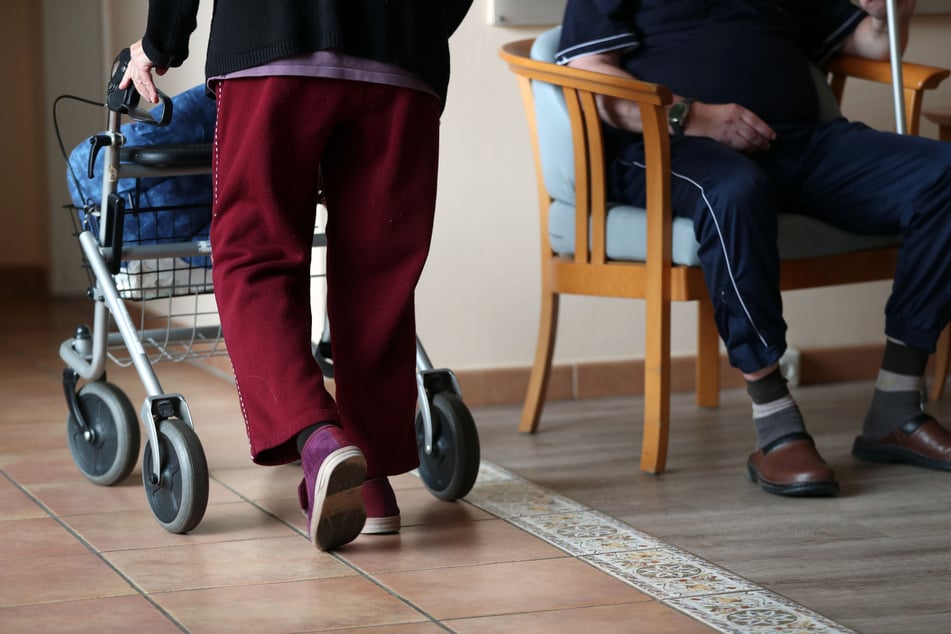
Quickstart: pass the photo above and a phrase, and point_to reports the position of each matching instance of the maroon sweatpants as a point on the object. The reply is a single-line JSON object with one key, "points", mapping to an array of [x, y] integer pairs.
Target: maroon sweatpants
{"points": [[377, 147]]}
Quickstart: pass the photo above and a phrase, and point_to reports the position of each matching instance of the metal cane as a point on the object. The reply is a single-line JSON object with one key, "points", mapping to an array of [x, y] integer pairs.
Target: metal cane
{"points": [[897, 83]]}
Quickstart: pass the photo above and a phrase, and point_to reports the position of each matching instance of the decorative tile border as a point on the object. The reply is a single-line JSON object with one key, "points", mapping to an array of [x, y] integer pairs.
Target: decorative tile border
{"points": [[667, 573], [716, 597], [585, 532], [759, 611]]}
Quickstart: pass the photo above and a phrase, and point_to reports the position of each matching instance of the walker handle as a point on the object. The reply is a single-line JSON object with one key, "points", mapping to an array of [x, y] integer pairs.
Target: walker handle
{"points": [[127, 101]]}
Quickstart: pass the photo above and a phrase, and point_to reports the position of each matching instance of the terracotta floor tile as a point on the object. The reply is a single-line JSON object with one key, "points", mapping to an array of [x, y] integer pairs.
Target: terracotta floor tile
{"points": [[35, 467], [33, 380], [644, 616], [133, 529], [81, 496], [17, 505], [419, 507], [402, 628], [255, 482], [248, 566], [418, 548], [286, 510], [406, 481], [58, 578], [27, 431], [288, 607], [219, 564], [112, 615], [224, 441], [493, 589], [21, 539]]}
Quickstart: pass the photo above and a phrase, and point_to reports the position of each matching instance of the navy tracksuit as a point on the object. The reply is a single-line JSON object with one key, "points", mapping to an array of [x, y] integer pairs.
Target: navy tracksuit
{"points": [[757, 53], [847, 174]]}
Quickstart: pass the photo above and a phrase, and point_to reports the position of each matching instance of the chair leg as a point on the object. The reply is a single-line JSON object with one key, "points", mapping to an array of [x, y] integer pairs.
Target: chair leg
{"points": [[941, 360], [541, 370], [656, 389], [707, 370]]}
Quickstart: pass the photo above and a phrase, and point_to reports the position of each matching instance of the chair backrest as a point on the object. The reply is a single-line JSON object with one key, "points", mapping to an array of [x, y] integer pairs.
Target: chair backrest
{"points": [[554, 127]]}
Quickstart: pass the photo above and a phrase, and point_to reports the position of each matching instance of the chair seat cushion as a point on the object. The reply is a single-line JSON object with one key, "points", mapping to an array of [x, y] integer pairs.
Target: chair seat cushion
{"points": [[799, 236]]}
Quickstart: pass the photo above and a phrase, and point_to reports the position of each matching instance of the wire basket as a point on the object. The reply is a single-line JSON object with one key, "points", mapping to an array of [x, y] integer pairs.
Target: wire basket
{"points": [[165, 277]]}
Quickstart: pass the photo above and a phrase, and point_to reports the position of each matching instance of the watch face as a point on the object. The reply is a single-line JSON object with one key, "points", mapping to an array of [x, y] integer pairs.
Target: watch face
{"points": [[677, 115], [677, 112]]}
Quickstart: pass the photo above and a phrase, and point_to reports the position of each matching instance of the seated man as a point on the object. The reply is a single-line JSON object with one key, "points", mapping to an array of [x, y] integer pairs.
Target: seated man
{"points": [[747, 143]]}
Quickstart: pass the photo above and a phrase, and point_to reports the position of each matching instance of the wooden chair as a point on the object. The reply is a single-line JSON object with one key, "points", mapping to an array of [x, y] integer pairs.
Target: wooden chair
{"points": [[591, 246]]}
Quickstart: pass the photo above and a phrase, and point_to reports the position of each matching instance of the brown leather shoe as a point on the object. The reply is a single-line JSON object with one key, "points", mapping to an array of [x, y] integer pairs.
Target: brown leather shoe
{"points": [[791, 466], [921, 442]]}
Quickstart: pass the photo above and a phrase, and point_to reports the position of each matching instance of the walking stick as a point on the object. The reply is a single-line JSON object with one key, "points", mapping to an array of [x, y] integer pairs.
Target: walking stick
{"points": [[897, 83]]}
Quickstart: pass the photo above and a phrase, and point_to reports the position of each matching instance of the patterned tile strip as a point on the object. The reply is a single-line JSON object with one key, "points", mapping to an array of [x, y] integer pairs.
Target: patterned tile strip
{"points": [[685, 582]]}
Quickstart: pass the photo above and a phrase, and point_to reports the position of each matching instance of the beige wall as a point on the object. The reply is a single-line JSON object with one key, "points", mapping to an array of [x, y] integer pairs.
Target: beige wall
{"points": [[23, 115], [478, 299], [73, 65]]}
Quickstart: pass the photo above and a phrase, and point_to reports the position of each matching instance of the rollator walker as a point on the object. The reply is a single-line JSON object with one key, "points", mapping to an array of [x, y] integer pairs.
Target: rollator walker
{"points": [[149, 267]]}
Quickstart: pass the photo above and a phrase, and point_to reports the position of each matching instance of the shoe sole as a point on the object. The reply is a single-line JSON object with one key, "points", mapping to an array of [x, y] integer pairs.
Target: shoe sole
{"points": [[381, 525], [338, 513], [795, 489], [863, 450]]}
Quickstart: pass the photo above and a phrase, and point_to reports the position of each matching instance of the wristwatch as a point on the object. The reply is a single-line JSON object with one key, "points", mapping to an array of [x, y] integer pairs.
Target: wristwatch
{"points": [[677, 116]]}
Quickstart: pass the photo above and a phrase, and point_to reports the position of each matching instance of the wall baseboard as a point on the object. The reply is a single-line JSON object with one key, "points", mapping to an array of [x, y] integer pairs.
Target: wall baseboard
{"points": [[626, 378], [507, 386]]}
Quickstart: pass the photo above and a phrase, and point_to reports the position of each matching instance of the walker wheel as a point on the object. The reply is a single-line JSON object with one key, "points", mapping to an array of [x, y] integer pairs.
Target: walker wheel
{"points": [[178, 500], [105, 453], [451, 470]]}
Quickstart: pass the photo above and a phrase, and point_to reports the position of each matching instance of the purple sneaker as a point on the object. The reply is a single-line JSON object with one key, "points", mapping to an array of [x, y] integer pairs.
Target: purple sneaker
{"points": [[383, 514], [334, 469]]}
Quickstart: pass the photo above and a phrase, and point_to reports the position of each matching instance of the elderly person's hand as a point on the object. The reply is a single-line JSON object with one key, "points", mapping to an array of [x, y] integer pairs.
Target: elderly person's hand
{"points": [[139, 73]]}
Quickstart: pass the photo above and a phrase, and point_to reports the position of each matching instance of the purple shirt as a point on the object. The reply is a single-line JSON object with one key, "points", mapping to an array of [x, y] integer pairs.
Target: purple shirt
{"points": [[333, 65]]}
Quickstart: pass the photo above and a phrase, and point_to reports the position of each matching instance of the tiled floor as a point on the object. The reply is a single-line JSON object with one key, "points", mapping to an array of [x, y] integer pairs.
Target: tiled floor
{"points": [[510, 557]]}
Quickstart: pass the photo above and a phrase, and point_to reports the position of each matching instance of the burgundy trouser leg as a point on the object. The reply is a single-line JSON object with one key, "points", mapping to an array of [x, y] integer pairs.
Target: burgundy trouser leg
{"points": [[378, 149]]}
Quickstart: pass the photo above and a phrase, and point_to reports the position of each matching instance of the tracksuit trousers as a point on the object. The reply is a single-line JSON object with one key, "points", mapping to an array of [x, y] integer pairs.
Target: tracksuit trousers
{"points": [[846, 174], [376, 147]]}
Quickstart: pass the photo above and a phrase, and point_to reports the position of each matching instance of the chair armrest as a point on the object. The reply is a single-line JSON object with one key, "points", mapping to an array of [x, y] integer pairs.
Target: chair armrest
{"points": [[916, 78], [518, 56]]}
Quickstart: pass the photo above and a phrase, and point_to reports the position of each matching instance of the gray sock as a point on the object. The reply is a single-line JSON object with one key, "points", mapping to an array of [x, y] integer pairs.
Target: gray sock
{"points": [[777, 419], [897, 399], [775, 413], [898, 390]]}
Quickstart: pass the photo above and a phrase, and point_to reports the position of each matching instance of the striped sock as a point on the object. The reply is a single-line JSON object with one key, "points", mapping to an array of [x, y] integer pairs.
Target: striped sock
{"points": [[898, 390], [775, 413]]}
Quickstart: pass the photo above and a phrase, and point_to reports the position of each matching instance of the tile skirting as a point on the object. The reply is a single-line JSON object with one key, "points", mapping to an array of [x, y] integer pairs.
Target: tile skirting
{"points": [[603, 379]]}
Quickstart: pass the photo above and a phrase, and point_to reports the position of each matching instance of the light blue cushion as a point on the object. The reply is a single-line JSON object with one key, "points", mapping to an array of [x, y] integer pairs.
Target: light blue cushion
{"points": [[799, 236]]}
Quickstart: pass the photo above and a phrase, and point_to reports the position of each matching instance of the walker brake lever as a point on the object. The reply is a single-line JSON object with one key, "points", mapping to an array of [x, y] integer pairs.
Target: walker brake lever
{"points": [[97, 142]]}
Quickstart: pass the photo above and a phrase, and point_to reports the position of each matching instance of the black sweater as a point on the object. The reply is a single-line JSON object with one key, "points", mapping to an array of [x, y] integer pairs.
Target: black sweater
{"points": [[412, 34]]}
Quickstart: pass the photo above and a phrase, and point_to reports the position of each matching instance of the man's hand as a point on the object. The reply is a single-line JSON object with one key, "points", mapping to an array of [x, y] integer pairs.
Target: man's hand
{"points": [[730, 124], [878, 9], [139, 73], [870, 37]]}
